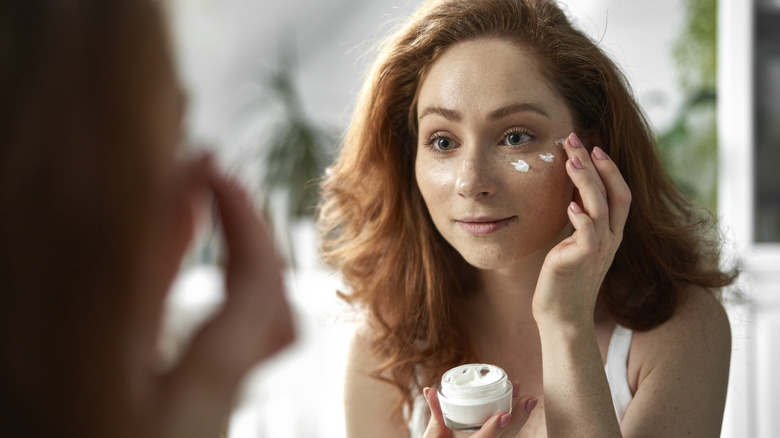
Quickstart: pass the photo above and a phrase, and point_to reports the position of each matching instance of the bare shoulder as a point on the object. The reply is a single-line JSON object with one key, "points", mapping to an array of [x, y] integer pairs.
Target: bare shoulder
{"points": [[679, 370], [369, 402], [699, 325]]}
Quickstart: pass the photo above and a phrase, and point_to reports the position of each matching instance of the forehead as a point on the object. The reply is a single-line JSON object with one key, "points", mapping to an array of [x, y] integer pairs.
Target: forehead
{"points": [[480, 75]]}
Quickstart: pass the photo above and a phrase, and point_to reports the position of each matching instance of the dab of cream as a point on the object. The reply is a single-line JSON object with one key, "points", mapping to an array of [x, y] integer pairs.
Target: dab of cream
{"points": [[560, 142], [521, 166], [548, 157]]}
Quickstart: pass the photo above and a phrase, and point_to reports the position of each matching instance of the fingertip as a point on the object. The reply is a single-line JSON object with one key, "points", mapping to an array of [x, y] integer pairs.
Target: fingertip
{"points": [[496, 422], [531, 404], [574, 141], [504, 420], [599, 154], [575, 208], [575, 161], [515, 388], [206, 158]]}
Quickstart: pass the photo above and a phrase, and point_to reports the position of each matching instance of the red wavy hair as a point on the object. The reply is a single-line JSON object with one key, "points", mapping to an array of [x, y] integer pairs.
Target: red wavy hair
{"points": [[376, 229]]}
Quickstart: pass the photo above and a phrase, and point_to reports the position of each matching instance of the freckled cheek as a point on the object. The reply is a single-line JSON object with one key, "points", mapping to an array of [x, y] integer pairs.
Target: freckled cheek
{"points": [[435, 179], [560, 189], [547, 183]]}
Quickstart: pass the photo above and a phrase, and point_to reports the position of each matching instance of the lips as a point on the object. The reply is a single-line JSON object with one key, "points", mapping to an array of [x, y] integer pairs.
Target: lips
{"points": [[481, 226]]}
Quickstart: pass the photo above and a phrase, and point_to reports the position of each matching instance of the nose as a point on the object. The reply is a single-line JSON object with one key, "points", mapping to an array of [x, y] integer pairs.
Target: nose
{"points": [[475, 179]]}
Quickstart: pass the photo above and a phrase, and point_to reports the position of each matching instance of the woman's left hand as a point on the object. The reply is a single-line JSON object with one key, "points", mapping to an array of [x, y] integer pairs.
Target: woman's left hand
{"points": [[574, 269], [498, 425]]}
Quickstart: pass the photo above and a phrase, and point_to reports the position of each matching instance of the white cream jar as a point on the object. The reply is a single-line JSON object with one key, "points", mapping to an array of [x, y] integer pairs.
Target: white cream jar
{"points": [[470, 394]]}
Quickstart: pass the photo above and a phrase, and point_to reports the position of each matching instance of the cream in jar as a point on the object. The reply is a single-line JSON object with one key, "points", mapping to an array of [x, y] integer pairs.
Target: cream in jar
{"points": [[470, 394]]}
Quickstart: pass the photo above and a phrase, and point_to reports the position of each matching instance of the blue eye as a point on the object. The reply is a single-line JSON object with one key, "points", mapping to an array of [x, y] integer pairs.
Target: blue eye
{"points": [[517, 138]]}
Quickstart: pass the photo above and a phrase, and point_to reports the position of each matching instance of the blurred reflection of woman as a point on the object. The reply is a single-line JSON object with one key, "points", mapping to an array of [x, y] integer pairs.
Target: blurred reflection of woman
{"points": [[97, 213]]}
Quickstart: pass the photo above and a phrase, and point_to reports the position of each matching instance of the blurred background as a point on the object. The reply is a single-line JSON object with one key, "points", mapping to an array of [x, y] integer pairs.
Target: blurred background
{"points": [[271, 87]]}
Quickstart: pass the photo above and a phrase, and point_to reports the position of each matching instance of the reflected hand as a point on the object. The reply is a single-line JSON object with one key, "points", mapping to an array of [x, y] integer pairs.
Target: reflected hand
{"points": [[195, 397]]}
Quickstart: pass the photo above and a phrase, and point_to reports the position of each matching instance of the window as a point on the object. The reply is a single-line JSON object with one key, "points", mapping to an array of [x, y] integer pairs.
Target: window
{"points": [[767, 124]]}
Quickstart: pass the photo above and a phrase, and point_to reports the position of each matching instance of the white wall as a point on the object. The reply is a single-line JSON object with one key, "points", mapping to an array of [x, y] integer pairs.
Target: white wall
{"points": [[226, 47]]}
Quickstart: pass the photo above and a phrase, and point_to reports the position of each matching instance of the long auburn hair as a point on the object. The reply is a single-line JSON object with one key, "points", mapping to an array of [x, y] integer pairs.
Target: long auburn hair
{"points": [[75, 154], [376, 229]]}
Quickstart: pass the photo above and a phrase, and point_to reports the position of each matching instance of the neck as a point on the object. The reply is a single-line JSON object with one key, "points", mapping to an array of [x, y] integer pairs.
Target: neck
{"points": [[504, 296], [503, 299]]}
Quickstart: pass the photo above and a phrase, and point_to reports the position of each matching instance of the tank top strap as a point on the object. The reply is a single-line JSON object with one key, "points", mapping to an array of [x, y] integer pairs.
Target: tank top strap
{"points": [[616, 369]]}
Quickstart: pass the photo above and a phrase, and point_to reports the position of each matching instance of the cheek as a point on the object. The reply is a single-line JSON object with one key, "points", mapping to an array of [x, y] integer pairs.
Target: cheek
{"points": [[540, 183], [435, 179]]}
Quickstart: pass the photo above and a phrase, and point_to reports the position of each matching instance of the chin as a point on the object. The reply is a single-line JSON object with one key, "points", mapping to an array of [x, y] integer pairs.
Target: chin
{"points": [[489, 258]]}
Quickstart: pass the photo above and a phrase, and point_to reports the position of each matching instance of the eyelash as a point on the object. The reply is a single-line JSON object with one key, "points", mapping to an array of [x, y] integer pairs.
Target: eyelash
{"points": [[432, 139], [517, 130]]}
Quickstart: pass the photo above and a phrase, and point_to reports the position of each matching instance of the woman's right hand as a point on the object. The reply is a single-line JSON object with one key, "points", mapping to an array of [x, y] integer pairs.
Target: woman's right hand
{"points": [[501, 424]]}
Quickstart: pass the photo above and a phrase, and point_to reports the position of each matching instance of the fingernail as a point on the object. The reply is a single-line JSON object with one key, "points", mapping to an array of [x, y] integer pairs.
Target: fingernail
{"points": [[530, 405], [504, 420], [575, 208], [600, 154], [576, 162], [425, 394], [515, 388], [575, 141]]}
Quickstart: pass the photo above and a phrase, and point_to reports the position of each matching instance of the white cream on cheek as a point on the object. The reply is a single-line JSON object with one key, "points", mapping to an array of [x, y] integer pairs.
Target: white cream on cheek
{"points": [[521, 166], [548, 157]]}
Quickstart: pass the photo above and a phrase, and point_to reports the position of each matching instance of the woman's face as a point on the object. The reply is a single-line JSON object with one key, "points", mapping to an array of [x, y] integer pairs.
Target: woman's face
{"points": [[487, 165]]}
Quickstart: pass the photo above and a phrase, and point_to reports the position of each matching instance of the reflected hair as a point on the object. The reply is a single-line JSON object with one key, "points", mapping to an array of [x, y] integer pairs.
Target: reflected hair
{"points": [[376, 229], [75, 154]]}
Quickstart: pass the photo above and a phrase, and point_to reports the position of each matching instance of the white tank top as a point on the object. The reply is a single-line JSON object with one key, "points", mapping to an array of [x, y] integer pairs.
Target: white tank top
{"points": [[616, 369]]}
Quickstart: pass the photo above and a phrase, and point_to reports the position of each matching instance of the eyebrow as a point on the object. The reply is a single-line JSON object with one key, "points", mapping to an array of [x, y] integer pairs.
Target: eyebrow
{"points": [[493, 116], [516, 108], [448, 114]]}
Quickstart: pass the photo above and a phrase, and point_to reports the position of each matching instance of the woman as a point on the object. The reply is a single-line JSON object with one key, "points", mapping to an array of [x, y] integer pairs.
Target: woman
{"points": [[498, 199], [97, 213]]}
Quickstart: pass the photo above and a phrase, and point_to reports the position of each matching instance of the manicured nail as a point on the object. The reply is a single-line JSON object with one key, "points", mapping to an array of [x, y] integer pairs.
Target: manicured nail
{"points": [[504, 420], [425, 394], [515, 388], [530, 405], [575, 141], [575, 208], [600, 154], [576, 162]]}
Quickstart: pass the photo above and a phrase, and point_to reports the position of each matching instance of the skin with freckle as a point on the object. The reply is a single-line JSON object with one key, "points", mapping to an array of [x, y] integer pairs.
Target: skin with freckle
{"points": [[462, 153]]}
